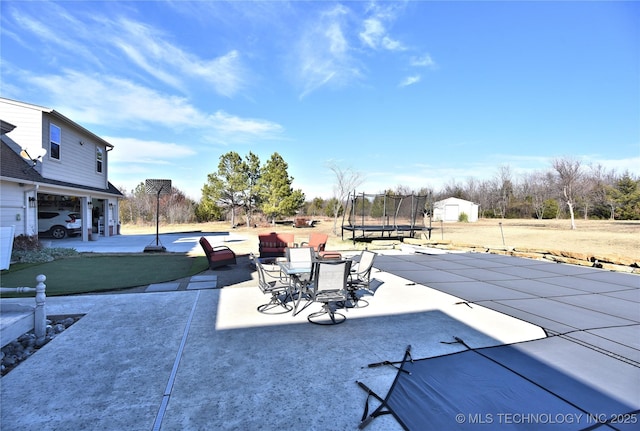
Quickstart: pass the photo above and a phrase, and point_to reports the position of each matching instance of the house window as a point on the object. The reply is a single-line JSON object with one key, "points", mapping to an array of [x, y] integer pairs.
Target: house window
{"points": [[99, 159], [54, 141]]}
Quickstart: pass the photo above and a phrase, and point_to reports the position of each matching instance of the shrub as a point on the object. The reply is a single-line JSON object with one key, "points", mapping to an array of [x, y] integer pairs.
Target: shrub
{"points": [[42, 255], [26, 243], [551, 209], [463, 217]]}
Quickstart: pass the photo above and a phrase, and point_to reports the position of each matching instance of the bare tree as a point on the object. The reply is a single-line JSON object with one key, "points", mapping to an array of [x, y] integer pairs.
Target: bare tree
{"points": [[472, 190], [503, 188], [346, 181], [569, 175], [538, 185], [452, 189], [484, 197]]}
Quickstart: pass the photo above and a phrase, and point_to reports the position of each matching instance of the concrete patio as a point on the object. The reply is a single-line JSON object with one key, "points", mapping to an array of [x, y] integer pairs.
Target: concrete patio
{"points": [[204, 358]]}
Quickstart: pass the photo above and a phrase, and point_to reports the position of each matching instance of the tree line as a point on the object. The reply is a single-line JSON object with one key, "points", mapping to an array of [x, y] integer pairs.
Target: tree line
{"points": [[568, 189], [243, 190], [241, 187]]}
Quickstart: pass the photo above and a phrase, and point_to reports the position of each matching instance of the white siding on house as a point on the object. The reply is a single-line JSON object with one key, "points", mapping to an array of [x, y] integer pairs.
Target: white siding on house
{"points": [[15, 205], [29, 134], [76, 166], [77, 162]]}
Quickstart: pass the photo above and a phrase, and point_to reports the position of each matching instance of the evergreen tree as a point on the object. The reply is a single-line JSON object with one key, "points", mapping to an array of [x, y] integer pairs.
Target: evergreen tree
{"points": [[277, 197], [626, 196], [330, 208], [315, 207], [251, 195], [227, 187]]}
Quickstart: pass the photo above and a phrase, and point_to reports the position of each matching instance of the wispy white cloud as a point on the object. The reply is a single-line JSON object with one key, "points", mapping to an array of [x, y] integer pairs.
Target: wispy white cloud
{"points": [[375, 36], [148, 48], [374, 33], [417, 61], [60, 34], [108, 101], [410, 80], [328, 52], [132, 47], [423, 61], [230, 124], [137, 151], [630, 164], [324, 54]]}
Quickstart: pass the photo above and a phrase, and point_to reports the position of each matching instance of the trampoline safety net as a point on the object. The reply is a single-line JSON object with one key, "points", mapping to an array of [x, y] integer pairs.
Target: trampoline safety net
{"points": [[373, 216]]}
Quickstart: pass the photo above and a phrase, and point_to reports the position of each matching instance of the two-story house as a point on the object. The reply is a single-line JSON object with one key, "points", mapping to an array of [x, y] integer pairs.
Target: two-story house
{"points": [[51, 165]]}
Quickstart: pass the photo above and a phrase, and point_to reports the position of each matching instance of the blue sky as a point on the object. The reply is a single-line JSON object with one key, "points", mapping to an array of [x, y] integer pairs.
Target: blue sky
{"points": [[415, 93]]}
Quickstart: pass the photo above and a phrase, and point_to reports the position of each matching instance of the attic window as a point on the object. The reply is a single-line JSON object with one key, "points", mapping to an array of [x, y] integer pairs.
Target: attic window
{"points": [[99, 159], [54, 141]]}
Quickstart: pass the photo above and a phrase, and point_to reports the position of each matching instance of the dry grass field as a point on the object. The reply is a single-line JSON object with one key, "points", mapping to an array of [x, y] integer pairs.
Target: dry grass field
{"points": [[592, 237]]}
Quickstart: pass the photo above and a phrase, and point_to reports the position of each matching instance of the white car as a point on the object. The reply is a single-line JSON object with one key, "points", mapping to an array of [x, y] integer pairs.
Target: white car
{"points": [[59, 224]]}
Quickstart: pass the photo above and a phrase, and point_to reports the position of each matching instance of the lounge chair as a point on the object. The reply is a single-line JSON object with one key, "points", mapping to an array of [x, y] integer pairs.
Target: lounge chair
{"points": [[219, 255]]}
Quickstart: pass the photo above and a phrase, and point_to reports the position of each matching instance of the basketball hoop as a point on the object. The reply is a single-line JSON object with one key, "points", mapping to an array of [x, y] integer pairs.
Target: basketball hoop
{"points": [[157, 187]]}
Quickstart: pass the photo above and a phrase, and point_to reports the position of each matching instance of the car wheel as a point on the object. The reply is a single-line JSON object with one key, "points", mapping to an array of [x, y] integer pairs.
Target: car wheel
{"points": [[58, 232]]}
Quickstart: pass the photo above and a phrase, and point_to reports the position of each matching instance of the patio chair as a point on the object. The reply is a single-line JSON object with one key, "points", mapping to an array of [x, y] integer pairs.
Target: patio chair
{"points": [[360, 278], [317, 241], [301, 257], [272, 282], [217, 256], [330, 288], [299, 254]]}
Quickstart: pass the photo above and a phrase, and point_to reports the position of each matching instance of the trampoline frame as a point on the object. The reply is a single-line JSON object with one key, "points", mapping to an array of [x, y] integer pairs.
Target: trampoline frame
{"points": [[389, 226]]}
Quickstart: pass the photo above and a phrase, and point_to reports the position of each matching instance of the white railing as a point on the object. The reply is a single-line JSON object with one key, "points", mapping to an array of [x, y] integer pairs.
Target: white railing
{"points": [[18, 319]]}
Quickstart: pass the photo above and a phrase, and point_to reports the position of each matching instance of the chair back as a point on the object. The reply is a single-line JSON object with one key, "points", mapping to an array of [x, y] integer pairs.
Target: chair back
{"points": [[331, 275], [262, 279], [208, 251], [365, 264], [299, 255], [318, 241]]}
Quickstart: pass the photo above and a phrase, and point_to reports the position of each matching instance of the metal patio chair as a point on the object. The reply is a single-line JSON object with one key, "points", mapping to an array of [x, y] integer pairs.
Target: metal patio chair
{"points": [[272, 282], [360, 279], [330, 288], [302, 257]]}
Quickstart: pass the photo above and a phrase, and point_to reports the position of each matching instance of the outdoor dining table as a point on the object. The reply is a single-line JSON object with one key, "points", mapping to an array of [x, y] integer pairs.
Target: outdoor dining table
{"points": [[296, 272]]}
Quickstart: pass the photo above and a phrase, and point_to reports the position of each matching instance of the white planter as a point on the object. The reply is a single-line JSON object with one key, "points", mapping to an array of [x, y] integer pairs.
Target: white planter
{"points": [[6, 246]]}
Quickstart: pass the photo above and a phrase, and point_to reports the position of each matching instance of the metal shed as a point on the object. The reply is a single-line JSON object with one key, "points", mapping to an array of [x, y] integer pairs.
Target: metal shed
{"points": [[450, 209]]}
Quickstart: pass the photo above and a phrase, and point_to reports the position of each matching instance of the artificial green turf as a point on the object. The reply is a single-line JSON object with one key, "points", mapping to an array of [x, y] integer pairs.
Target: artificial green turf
{"points": [[94, 273]]}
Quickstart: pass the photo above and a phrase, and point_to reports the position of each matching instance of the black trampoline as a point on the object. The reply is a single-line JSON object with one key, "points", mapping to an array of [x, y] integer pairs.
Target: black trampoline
{"points": [[371, 217], [584, 375]]}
